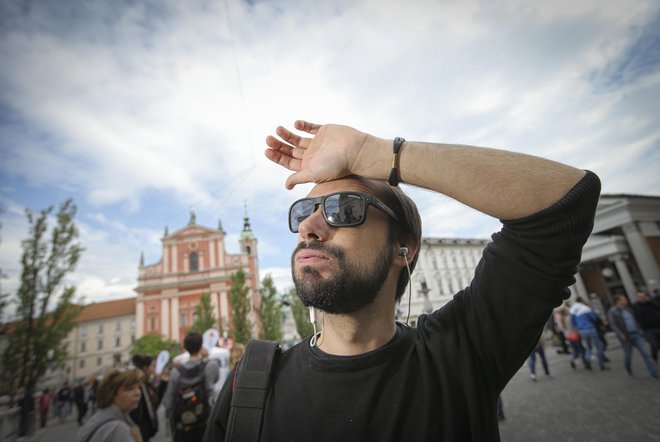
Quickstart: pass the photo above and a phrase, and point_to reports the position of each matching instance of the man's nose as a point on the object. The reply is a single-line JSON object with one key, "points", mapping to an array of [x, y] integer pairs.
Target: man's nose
{"points": [[314, 227]]}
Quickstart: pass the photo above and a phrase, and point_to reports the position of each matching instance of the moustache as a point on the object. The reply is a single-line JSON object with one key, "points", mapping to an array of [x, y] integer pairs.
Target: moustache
{"points": [[315, 245]]}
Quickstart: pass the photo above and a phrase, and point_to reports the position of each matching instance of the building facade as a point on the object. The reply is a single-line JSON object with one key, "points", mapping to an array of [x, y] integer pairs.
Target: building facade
{"points": [[194, 262], [622, 254], [101, 339], [444, 266]]}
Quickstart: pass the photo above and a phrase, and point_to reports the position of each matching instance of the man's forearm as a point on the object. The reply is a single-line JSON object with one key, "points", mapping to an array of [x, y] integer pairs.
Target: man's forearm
{"points": [[506, 185]]}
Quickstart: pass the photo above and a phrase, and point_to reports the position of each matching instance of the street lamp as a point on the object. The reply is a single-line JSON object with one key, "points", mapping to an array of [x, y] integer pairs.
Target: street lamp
{"points": [[424, 291]]}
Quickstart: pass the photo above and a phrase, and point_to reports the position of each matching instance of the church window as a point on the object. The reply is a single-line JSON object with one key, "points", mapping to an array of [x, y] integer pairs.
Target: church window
{"points": [[194, 262]]}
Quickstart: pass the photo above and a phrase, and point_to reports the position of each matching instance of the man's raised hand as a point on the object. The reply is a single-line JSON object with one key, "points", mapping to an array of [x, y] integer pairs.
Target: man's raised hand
{"points": [[328, 155]]}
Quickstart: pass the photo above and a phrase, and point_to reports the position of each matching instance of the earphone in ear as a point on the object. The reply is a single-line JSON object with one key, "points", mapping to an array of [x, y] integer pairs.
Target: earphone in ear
{"points": [[403, 251]]}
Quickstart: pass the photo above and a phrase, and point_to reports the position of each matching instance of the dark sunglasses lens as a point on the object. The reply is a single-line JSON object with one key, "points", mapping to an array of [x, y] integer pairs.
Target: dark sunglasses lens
{"points": [[298, 212], [344, 209]]}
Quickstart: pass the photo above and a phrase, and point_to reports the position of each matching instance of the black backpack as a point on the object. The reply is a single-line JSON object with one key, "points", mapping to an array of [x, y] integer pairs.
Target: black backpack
{"points": [[191, 402], [252, 379]]}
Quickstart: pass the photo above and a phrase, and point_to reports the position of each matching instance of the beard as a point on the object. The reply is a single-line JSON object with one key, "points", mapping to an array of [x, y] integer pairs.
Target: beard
{"points": [[350, 289]]}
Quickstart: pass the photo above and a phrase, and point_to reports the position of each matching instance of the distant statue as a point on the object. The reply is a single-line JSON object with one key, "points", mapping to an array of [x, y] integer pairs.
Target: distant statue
{"points": [[192, 217]]}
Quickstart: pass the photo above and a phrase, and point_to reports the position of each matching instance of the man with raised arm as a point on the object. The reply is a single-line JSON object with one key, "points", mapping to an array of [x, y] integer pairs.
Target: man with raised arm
{"points": [[366, 377]]}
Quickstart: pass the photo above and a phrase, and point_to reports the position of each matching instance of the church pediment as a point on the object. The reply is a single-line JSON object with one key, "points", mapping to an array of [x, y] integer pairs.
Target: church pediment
{"points": [[194, 230]]}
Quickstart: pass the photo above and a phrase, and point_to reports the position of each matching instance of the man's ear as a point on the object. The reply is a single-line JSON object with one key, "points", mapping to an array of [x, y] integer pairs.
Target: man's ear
{"points": [[406, 253]]}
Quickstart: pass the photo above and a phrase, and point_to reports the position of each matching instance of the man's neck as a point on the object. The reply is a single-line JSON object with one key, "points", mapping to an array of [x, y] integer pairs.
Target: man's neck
{"points": [[358, 333], [196, 357]]}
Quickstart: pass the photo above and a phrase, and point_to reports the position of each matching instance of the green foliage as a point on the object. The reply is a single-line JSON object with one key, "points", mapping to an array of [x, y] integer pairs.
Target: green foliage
{"points": [[204, 315], [240, 307], [4, 297], [151, 345], [36, 342], [270, 311], [300, 315]]}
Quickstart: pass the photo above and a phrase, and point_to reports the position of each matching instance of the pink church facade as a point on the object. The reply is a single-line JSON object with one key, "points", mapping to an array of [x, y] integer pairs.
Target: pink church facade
{"points": [[194, 262]]}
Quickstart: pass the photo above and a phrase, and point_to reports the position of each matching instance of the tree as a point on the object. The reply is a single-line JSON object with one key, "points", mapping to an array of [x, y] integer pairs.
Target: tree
{"points": [[37, 339], [204, 315], [300, 315], [240, 307], [151, 345], [4, 301], [270, 311]]}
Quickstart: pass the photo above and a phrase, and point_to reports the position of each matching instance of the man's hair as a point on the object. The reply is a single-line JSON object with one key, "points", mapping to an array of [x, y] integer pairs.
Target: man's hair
{"points": [[113, 381], [403, 233], [193, 342], [142, 361], [617, 297]]}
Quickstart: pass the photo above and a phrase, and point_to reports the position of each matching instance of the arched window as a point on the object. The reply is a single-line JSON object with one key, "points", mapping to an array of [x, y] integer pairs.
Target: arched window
{"points": [[194, 262]]}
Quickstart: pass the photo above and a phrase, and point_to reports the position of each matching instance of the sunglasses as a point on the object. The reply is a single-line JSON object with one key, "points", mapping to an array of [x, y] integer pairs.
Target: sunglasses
{"points": [[341, 209]]}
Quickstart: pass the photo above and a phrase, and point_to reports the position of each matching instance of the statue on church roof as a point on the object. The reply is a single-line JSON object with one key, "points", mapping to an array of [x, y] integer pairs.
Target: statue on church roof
{"points": [[192, 218]]}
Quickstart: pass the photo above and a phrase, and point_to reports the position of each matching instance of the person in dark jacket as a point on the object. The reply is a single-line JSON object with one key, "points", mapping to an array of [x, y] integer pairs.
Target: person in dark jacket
{"points": [[80, 398], [648, 315], [26, 407], [364, 376], [145, 415], [624, 324]]}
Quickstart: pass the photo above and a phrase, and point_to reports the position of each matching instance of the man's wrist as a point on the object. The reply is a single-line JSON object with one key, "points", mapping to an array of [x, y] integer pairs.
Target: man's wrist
{"points": [[374, 159]]}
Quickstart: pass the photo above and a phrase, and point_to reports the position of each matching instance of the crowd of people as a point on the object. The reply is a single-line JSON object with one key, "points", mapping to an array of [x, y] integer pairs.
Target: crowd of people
{"points": [[580, 331], [122, 405]]}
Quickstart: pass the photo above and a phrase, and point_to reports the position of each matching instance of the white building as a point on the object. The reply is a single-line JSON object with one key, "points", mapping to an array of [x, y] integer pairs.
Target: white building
{"points": [[101, 339], [444, 266]]}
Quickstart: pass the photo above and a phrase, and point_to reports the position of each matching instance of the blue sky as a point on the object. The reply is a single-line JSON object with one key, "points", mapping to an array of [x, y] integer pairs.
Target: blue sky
{"points": [[144, 110]]}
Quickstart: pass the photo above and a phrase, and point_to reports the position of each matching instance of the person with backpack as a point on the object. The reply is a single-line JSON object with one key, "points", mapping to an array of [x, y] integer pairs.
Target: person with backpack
{"points": [[188, 396]]}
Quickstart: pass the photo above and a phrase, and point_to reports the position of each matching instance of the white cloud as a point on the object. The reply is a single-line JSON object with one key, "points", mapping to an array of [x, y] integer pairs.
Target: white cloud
{"points": [[146, 111]]}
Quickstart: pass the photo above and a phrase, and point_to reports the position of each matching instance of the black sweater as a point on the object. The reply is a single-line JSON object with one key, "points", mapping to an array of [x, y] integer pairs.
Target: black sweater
{"points": [[440, 380]]}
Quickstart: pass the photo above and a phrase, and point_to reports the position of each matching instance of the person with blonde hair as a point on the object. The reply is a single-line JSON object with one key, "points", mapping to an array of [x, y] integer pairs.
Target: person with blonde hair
{"points": [[118, 394]]}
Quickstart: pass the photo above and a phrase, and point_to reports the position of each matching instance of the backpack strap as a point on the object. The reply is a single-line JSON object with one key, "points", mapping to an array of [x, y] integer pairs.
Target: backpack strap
{"points": [[253, 376], [98, 427]]}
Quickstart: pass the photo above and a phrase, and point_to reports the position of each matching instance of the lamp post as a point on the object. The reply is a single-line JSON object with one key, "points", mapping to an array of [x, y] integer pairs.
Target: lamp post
{"points": [[424, 291]]}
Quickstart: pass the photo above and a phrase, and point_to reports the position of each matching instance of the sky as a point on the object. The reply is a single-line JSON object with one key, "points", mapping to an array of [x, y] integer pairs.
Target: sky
{"points": [[142, 111]]}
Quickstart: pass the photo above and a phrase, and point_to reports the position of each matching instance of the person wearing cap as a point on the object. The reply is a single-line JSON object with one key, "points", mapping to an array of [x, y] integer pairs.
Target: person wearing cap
{"points": [[365, 376]]}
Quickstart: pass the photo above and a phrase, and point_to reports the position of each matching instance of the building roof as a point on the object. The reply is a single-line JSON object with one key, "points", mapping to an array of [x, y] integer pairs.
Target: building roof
{"points": [[105, 310]]}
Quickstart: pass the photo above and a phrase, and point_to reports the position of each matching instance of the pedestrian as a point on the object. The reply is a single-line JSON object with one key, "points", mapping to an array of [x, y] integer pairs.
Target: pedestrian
{"points": [[235, 354], [586, 321], [93, 387], [64, 400], [118, 394], [145, 415], [364, 376], [648, 313], [500, 409], [44, 406], [559, 331], [575, 341], [531, 361], [624, 324], [190, 391], [25, 403], [81, 397]]}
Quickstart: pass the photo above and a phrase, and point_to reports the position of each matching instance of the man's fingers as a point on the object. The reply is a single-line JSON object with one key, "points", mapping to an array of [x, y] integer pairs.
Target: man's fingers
{"points": [[283, 160], [284, 148], [288, 136], [306, 126]]}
